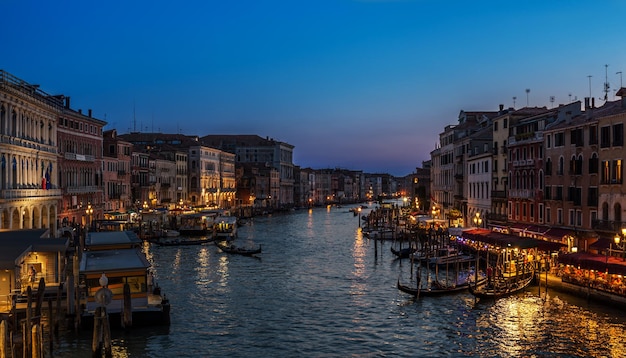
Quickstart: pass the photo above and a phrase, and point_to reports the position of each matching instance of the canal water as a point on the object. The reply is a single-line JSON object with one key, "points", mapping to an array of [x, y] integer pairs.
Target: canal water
{"points": [[319, 290]]}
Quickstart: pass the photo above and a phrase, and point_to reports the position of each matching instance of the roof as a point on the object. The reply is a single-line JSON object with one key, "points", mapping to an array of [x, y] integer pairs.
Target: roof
{"points": [[111, 238], [100, 261], [15, 243]]}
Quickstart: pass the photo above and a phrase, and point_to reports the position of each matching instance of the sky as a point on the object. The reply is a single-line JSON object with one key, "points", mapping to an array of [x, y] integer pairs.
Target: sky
{"points": [[354, 84]]}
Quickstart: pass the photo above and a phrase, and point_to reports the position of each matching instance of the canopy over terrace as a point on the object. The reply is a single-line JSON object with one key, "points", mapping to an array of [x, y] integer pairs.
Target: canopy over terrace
{"points": [[506, 240], [587, 261]]}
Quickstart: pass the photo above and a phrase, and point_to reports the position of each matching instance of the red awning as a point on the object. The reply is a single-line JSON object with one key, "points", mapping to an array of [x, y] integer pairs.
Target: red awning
{"points": [[558, 234], [589, 261]]}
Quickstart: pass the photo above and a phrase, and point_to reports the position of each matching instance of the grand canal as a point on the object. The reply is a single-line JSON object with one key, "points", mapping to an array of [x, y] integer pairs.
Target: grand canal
{"points": [[319, 290]]}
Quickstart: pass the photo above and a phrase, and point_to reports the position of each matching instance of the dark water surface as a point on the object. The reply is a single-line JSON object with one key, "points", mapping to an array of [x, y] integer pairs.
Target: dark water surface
{"points": [[318, 290]]}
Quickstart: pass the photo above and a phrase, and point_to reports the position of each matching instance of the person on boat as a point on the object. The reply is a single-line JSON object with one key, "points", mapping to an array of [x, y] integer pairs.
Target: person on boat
{"points": [[32, 274], [489, 275]]}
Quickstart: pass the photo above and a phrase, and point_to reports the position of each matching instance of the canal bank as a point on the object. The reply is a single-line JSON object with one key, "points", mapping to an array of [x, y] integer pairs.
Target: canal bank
{"points": [[556, 283]]}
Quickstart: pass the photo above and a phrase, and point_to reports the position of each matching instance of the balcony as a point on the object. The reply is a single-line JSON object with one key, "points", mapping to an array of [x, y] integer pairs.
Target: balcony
{"points": [[500, 194], [521, 193], [79, 157], [29, 193], [608, 225], [83, 189]]}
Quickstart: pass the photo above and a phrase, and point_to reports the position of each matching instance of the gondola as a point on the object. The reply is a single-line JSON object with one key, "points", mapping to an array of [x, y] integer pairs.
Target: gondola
{"points": [[183, 242], [437, 288], [232, 249], [403, 253], [502, 287]]}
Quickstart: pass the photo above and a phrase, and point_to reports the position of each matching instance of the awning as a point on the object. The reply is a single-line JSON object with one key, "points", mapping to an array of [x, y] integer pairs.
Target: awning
{"points": [[557, 233], [589, 261], [507, 240]]}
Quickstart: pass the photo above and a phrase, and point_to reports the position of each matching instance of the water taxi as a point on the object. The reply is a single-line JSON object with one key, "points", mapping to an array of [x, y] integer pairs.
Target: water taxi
{"points": [[226, 227], [119, 257]]}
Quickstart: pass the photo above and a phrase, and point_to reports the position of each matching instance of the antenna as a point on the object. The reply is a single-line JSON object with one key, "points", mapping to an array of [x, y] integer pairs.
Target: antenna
{"points": [[606, 82], [514, 98], [620, 78], [134, 118], [552, 101], [570, 97], [527, 92]]}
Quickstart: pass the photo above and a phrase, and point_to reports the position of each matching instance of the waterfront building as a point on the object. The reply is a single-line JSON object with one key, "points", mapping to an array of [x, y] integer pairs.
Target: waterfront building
{"points": [[264, 151], [571, 177], [140, 185], [116, 165], [477, 173], [162, 184], [526, 172], [28, 156], [502, 125], [611, 200], [80, 167], [465, 142]]}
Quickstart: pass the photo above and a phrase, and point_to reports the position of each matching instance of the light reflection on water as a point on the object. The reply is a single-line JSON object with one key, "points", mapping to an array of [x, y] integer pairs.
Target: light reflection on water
{"points": [[318, 290]]}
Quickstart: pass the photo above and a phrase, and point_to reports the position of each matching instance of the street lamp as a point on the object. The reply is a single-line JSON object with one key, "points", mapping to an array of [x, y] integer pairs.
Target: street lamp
{"points": [[618, 238], [478, 221], [89, 212]]}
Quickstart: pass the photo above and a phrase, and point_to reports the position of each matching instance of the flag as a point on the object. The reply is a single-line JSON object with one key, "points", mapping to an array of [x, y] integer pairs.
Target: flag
{"points": [[47, 178], [43, 183]]}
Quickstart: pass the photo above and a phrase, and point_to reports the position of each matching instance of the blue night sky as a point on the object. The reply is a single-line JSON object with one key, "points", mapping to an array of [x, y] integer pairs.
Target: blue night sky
{"points": [[363, 85]]}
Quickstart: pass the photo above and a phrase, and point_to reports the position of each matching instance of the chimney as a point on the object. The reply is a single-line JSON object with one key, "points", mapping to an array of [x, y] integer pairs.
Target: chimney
{"points": [[80, 111], [89, 111], [622, 93], [67, 102], [586, 103], [593, 102], [501, 107]]}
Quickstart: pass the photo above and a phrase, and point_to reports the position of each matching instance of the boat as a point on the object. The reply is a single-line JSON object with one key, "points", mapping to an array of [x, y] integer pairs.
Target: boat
{"points": [[225, 227], [403, 253], [170, 233], [503, 286], [450, 255], [437, 287], [117, 273], [197, 224], [232, 249]]}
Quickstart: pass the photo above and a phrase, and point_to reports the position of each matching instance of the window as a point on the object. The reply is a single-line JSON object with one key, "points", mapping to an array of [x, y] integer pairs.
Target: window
{"points": [[548, 192], [593, 135], [559, 139], [549, 141], [606, 172], [618, 135], [605, 137], [616, 175], [559, 216], [592, 196], [561, 165], [593, 164], [548, 166], [495, 126], [548, 215]]}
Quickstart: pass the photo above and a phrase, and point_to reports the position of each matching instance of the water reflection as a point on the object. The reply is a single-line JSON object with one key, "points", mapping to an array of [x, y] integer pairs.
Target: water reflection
{"points": [[321, 291]]}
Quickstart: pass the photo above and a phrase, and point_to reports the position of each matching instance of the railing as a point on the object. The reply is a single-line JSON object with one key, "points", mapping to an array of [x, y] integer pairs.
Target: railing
{"points": [[83, 189], [29, 193], [608, 225], [49, 147], [79, 157]]}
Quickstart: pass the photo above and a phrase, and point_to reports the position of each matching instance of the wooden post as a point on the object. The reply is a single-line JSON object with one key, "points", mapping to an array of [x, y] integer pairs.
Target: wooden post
{"points": [[127, 313], [37, 344], [26, 343], [58, 309], [106, 334], [3, 339], [50, 324], [96, 347]]}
